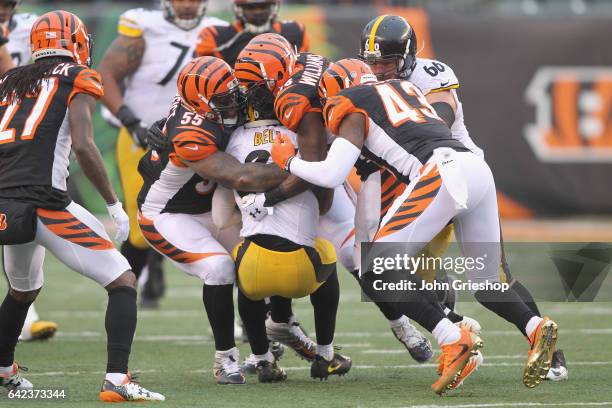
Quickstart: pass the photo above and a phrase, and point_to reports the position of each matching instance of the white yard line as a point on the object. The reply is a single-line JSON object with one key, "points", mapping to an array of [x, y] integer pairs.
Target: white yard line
{"points": [[517, 404]]}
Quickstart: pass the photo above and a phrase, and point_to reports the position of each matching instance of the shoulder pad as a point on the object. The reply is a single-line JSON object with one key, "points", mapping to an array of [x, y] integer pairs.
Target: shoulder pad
{"points": [[211, 37], [134, 22], [433, 76]]}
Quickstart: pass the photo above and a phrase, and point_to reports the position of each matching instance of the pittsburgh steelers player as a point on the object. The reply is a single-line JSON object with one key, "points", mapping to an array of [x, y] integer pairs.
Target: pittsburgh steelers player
{"points": [[150, 49]]}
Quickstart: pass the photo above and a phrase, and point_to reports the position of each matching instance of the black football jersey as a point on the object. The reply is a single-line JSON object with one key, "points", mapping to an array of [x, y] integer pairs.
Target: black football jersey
{"points": [[35, 141], [300, 94], [226, 42], [169, 184], [402, 129]]}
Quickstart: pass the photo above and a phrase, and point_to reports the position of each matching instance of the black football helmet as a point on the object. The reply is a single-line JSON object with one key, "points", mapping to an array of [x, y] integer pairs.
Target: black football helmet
{"points": [[389, 37]]}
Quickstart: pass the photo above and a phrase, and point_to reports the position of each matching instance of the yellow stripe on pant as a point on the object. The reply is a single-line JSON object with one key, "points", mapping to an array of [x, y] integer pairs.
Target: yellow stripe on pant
{"points": [[128, 156], [263, 273]]}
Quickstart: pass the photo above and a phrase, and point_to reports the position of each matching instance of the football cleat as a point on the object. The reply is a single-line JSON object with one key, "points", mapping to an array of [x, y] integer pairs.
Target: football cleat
{"points": [[39, 330], [558, 367], [539, 359], [472, 365], [129, 391], [338, 365], [455, 357], [470, 324], [417, 345], [226, 367], [292, 335], [14, 380], [269, 372], [249, 366]]}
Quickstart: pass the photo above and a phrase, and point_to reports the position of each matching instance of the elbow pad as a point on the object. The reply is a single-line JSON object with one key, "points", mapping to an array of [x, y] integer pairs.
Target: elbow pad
{"points": [[445, 112]]}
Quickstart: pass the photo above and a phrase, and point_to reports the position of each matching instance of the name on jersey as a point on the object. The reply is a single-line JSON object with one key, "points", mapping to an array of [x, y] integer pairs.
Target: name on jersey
{"points": [[62, 69], [313, 70], [265, 137]]}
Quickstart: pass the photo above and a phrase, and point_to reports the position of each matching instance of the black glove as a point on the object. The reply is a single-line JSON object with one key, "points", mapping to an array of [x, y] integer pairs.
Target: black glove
{"points": [[133, 124], [365, 167], [156, 137]]}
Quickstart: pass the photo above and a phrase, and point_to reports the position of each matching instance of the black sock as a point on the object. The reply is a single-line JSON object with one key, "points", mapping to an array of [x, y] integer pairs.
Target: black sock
{"points": [[526, 296], [219, 304], [155, 286], [12, 317], [507, 305], [325, 304], [422, 306], [280, 309], [387, 309], [454, 317], [253, 315], [120, 326], [137, 257]]}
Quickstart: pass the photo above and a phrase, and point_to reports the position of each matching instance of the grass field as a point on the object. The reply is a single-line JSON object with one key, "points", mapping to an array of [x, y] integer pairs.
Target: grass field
{"points": [[173, 354]]}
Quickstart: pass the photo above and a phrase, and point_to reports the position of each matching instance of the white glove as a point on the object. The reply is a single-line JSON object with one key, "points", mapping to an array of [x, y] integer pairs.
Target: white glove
{"points": [[253, 205], [121, 220]]}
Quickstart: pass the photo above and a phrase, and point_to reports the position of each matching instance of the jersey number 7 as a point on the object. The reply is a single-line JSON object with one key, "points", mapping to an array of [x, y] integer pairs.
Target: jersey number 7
{"points": [[43, 100]]}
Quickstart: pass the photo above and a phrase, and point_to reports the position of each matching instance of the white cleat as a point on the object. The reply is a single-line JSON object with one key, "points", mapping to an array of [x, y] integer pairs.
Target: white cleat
{"points": [[129, 391], [292, 335], [14, 380], [558, 368], [227, 367], [417, 345]]}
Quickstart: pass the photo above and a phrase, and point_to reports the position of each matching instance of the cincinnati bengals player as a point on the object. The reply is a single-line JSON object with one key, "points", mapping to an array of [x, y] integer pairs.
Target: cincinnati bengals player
{"points": [[389, 47], [298, 107], [46, 110], [392, 124], [176, 199], [303, 264], [146, 57], [253, 17], [17, 52]]}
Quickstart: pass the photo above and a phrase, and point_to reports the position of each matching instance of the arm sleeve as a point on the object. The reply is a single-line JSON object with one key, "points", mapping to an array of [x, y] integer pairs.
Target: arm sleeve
{"points": [[332, 171]]}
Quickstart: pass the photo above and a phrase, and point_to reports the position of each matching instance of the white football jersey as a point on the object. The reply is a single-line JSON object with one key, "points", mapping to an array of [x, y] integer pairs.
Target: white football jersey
{"points": [[151, 89], [296, 218], [435, 76], [19, 37]]}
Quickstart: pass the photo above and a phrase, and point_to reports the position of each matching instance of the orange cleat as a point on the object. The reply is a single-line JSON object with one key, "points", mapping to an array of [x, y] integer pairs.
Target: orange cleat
{"points": [[454, 359], [542, 342]]}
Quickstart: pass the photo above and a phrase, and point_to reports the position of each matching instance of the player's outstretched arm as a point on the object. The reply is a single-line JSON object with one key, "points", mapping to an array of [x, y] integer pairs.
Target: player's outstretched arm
{"points": [[84, 147], [342, 155], [229, 172], [121, 59]]}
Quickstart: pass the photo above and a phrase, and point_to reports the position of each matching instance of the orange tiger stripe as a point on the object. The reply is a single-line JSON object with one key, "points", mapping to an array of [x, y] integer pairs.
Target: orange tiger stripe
{"points": [[157, 240], [66, 226]]}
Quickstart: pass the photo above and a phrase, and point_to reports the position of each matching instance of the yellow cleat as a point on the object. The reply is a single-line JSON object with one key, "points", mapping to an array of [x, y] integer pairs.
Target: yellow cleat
{"points": [[542, 341], [43, 330]]}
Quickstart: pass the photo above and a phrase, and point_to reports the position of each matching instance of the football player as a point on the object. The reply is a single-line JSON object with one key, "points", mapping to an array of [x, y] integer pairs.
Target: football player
{"points": [[176, 199], [393, 124], [146, 57], [302, 263], [253, 17], [17, 26], [298, 107], [47, 112], [389, 47]]}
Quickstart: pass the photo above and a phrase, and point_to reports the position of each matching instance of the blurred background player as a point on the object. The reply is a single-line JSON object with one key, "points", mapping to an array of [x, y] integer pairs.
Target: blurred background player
{"points": [[281, 257], [389, 46], [176, 199], [145, 58], [253, 17], [48, 109], [16, 30]]}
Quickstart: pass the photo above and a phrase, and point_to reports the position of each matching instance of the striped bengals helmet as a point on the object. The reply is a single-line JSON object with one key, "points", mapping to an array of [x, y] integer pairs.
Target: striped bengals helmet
{"points": [[344, 74], [267, 59], [61, 33], [208, 87]]}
